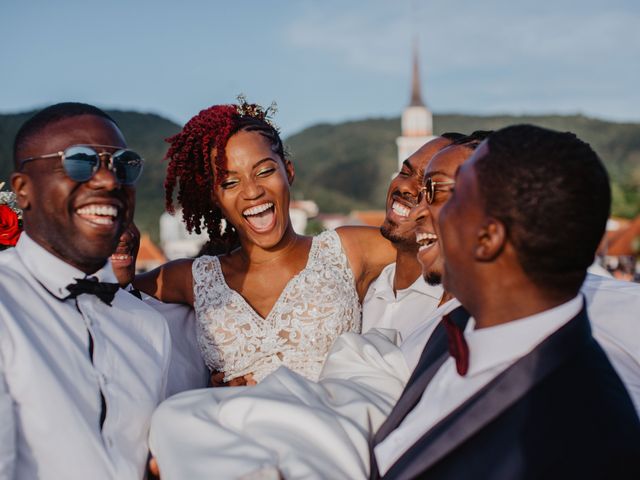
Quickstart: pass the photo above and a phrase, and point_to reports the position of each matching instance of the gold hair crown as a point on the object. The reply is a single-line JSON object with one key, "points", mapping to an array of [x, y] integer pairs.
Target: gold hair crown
{"points": [[257, 111]]}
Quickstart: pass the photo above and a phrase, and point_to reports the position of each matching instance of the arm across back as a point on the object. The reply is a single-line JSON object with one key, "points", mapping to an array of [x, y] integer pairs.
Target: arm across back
{"points": [[169, 283], [368, 253]]}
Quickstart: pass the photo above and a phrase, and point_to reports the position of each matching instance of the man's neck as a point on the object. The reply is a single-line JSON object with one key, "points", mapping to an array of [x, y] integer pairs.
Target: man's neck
{"points": [[407, 270], [520, 301]]}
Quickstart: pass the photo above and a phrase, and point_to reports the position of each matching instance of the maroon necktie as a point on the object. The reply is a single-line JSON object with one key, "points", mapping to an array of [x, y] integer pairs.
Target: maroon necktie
{"points": [[458, 347]]}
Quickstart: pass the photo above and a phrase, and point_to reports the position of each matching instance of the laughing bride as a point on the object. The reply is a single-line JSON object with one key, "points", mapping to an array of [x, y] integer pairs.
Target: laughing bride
{"points": [[275, 298]]}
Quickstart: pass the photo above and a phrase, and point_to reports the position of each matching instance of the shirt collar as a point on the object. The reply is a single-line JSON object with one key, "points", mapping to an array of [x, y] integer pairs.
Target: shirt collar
{"points": [[53, 273], [493, 346], [383, 286]]}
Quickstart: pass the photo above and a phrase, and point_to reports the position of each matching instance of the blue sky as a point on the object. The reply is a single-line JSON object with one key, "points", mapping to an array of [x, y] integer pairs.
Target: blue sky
{"points": [[324, 60]]}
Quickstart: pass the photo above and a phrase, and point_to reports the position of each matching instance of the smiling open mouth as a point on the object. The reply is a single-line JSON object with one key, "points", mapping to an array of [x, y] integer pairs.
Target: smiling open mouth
{"points": [[260, 217], [98, 214], [426, 240], [400, 210]]}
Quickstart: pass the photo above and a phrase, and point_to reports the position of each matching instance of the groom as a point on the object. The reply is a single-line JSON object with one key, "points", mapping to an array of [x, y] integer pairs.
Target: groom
{"points": [[530, 393]]}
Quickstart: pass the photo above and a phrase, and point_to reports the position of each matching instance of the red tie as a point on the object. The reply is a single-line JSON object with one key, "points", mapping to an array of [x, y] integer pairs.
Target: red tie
{"points": [[458, 347]]}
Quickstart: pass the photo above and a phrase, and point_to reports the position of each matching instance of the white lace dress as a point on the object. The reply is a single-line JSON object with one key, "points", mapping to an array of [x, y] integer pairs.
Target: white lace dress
{"points": [[315, 307]]}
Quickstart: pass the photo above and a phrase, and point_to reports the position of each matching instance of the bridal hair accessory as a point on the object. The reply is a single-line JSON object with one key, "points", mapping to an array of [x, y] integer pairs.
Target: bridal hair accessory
{"points": [[257, 111], [10, 219]]}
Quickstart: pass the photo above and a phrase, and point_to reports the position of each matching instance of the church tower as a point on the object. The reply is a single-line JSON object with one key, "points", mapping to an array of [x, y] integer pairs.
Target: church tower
{"points": [[417, 120]]}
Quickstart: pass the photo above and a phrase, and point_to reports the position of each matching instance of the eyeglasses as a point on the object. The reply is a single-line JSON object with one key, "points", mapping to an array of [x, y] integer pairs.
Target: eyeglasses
{"points": [[430, 188], [81, 162]]}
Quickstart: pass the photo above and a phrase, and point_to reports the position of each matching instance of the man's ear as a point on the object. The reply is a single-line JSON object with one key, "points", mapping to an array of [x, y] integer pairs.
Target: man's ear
{"points": [[21, 185], [291, 172], [492, 238]]}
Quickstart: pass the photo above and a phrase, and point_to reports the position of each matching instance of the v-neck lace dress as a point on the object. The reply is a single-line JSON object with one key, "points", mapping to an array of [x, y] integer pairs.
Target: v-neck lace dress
{"points": [[315, 307]]}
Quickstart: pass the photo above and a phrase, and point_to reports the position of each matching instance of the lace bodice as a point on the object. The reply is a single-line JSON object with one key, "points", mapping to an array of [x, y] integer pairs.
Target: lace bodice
{"points": [[316, 306]]}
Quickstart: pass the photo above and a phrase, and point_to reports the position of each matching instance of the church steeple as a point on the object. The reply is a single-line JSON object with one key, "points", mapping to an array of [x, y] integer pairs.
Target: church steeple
{"points": [[416, 121], [416, 96]]}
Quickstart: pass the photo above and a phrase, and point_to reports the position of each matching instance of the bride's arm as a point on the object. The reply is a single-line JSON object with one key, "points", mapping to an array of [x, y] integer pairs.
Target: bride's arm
{"points": [[171, 282], [368, 253]]}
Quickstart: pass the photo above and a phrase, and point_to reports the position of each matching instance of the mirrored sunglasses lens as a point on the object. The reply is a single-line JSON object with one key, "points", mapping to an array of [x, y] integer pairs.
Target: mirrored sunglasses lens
{"points": [[127, 166], [80, 163]]}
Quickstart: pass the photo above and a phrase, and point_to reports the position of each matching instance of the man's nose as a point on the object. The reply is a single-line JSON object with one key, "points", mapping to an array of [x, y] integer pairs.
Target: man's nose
{"points": [[420, 210], [105, 177]]}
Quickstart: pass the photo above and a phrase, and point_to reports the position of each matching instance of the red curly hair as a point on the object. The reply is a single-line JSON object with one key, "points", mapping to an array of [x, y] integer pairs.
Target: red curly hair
{"points": [[190, 166]]}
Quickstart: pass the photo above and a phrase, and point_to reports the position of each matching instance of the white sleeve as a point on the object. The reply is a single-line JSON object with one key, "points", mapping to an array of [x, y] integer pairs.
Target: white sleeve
{"points": [[285, 424], [8, 451]]}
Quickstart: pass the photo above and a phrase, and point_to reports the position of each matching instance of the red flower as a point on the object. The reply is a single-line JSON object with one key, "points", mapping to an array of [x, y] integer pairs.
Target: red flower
{"points": [[9, 226]]}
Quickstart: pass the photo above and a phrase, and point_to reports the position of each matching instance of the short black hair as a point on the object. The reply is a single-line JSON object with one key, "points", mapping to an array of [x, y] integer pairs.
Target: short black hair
{"points": [[453, 136], [47, 116], [473, 139], [551, 191]]}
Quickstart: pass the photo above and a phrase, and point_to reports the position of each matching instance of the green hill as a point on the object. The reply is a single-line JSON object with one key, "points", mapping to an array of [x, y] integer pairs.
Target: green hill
{"points": [[348, 165]]}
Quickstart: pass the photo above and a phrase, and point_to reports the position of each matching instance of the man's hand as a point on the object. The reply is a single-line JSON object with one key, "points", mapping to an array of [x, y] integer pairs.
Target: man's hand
{"points": [[217, 380]]}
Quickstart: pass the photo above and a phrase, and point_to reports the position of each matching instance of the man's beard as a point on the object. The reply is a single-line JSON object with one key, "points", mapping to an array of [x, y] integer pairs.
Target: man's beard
{"points": [[388, 229], [433, 278]]}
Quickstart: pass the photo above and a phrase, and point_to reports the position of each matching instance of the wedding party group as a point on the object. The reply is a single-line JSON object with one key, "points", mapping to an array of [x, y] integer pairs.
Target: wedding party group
{"points": [[468, 337]]}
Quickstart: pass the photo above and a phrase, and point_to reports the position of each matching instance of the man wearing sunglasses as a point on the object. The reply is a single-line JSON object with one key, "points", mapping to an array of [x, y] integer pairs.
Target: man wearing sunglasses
{"points": [[399, 295], [82, 363]]}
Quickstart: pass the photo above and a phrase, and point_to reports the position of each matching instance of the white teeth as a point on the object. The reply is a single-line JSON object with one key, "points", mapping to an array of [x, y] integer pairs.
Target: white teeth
{"points": [[400, 209], [257, 209], [118, 256], [426, 239], [101, 210], [103, 220]]}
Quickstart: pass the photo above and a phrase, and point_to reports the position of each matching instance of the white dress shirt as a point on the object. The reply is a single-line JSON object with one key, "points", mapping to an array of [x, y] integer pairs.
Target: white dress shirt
{"points": [[614, 310], [491, 351], [414, 344], [187, 370], [50, 389], [402, 311]]}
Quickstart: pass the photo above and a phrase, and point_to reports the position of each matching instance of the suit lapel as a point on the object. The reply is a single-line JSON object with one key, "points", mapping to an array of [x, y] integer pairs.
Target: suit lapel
{"points": [[493, 399], [433, 356]]}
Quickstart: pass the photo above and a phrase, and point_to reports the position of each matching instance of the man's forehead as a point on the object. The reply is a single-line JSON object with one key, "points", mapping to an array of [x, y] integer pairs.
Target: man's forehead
{"points": [[76, 130], [425, 153], [449, 159]]}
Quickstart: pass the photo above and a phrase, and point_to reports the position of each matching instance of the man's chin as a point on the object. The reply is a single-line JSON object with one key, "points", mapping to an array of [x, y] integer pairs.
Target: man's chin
{"points": [[386, 231], [391, 234], [433, 278]]}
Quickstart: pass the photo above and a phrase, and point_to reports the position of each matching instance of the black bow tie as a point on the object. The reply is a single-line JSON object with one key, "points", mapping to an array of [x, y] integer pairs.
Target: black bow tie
{"points": [[91, 285]]}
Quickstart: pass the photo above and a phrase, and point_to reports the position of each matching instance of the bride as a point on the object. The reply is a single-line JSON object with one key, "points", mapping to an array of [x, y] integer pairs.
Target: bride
{"points": [[275, 298]]}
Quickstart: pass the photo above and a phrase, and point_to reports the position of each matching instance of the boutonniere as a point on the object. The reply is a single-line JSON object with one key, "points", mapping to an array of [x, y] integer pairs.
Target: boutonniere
{"points": [[10, 219]]}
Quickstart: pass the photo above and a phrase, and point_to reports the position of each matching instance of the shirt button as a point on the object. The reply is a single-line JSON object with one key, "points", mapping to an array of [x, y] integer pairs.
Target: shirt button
{"points": [[109, 442]]}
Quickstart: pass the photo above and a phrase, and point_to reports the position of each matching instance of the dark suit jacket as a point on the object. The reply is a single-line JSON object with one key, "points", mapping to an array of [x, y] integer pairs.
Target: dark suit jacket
{"points": [[559, 412]]}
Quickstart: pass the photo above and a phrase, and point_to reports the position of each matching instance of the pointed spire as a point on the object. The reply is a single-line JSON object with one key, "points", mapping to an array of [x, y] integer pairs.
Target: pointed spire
{"points": [[416, 96]]}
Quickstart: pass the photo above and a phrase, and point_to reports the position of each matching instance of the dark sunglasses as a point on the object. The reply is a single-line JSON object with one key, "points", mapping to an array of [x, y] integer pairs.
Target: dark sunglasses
{"points": [[430, 188], [81, 162]]}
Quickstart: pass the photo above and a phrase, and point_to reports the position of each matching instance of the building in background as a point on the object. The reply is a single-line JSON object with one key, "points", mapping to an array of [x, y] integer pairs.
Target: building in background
{"points": [[417, 119], [176, 241], [149, 255]]}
